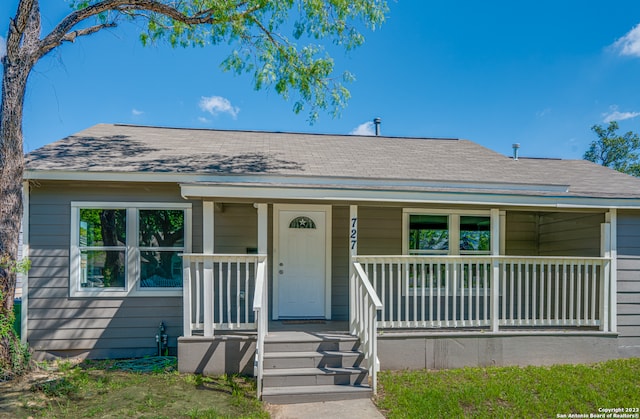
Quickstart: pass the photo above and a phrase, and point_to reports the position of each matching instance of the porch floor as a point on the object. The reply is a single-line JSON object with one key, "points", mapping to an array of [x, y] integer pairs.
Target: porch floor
{"points": [[327, 327]]}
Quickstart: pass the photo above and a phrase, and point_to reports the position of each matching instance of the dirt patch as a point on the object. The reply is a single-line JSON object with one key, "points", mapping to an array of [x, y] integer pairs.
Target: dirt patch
{"points": [[126, 389]]}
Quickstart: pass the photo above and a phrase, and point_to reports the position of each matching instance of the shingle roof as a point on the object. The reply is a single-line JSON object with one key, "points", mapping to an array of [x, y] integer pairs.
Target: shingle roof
{"points": [[130, 149]]}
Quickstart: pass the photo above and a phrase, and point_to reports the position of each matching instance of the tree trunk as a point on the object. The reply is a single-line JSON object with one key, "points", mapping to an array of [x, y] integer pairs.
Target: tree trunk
{"points": [[14, 80], [11, 174]]}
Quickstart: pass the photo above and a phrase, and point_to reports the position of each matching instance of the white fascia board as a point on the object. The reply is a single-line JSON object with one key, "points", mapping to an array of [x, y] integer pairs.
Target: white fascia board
{"points": [[104, 176], [418, 197], [271, 180]]}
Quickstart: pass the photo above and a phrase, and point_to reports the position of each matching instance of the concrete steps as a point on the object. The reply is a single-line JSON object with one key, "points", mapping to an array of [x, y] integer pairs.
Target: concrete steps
{"points": [[302, 367]]}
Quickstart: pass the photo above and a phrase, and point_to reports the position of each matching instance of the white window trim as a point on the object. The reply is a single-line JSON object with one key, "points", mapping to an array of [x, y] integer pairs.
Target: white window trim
{"points": [[132, 276], [454, 229]]}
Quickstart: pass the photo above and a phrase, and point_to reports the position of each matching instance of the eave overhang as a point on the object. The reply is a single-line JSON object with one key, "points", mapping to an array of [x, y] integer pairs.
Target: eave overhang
{"points": [[279, 187]]}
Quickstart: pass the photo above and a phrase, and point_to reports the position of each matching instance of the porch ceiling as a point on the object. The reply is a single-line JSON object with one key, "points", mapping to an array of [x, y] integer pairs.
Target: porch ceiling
{"points": [[407, 194]]}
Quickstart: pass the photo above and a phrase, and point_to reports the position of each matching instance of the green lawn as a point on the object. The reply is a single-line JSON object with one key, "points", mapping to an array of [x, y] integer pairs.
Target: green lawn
{"points": [[511, 391]]}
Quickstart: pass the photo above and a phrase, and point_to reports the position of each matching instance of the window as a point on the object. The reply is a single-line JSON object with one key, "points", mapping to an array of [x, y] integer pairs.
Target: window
{"points": [[452, 232], [475, 234], [428, 233], [302, 222], [103, 248], [161, 240], [128, 249]]}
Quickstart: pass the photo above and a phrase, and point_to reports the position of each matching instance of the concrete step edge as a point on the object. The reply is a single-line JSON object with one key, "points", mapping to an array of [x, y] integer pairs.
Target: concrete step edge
{"points": [[300, 354], [304, 338], [317, 389], [277, 372]]}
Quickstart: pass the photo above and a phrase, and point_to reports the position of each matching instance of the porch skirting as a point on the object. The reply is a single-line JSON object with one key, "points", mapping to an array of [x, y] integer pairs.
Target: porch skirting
{"points": [[443, 350]]}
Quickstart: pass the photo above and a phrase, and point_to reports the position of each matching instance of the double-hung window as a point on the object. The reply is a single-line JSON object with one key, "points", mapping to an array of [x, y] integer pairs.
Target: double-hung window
{"points": [[446, 232], [121, 249]]}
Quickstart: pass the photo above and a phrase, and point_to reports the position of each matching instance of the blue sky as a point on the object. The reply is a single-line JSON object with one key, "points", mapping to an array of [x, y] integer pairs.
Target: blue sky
{"points": [[539, 73]]}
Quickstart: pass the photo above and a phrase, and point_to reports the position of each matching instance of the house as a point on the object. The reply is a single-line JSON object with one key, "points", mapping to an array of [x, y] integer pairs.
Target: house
{"points": [[352, 253]]}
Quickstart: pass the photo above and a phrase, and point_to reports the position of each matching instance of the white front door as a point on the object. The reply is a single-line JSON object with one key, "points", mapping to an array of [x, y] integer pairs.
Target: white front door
{"points": [[301, 269]]}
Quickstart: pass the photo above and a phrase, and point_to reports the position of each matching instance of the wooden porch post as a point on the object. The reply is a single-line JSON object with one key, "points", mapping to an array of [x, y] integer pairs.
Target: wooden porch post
{"points": [[262, 250], [208, 211], [612, 218], [495, 269], [353, 251], [186, 297], [605, 298], [607, 288], [262, 228]]}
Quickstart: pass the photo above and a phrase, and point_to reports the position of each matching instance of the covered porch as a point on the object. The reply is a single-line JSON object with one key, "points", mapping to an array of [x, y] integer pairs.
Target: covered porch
{"points": [[411, 302]]}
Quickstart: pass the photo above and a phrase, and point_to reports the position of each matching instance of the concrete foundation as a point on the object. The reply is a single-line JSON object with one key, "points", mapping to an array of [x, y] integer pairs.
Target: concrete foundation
{"points": [[442, 350], [224, 354], [234, 354]]}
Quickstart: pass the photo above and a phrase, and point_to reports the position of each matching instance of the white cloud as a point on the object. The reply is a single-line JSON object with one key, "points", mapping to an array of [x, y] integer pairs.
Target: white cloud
{"points": [[203, 120], [543, 113], [629, 44], [217, 104], [616, 115], [364, 129], [3, 47], [136, 112]]}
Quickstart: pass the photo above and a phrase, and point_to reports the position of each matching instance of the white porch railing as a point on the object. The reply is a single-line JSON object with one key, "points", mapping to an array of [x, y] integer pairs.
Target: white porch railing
{"points": [[469, 291], [364, 305], [219, 290], [261, 310]]}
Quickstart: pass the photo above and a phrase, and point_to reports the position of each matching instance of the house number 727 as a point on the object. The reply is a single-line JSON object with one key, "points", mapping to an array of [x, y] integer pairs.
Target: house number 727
{"points": [[354, 233]]}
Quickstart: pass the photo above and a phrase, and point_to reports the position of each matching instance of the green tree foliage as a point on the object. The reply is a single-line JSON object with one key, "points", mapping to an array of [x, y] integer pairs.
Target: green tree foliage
{"points": [[278, 42], [619, 152]]}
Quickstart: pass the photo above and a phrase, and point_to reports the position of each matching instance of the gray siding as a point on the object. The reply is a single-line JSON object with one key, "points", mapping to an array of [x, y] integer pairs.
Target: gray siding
{"points": [[570, 234], [93, 327], [236, 228], [521, 233], [379, 231], [629, 283], [553, 233]]}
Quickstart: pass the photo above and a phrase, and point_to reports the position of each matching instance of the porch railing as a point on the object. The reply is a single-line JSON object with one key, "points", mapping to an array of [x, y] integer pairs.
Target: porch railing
{"points": [[219, 290], [364, 305], [261, 310], [491, 291]]}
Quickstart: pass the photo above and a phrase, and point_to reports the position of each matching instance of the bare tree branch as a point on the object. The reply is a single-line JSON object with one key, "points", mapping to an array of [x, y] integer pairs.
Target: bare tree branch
{"points": [[71, 36]]}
